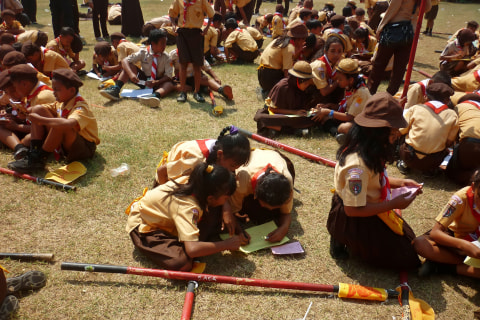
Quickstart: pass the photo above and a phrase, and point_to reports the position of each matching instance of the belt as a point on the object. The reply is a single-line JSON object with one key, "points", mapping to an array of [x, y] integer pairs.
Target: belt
{"points": [[473, 140], [412, 150]]}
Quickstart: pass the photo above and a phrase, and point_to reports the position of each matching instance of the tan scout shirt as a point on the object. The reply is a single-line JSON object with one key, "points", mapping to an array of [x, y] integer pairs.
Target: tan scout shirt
{"points": [[145, 57], [468, 119], [243, 39], [278, 58], [427, 131], [259, 159], [40, 95], [416, 93], [467, 83], [159, 211], [210, 39], [52, 61], [356, 102], [356, 184], [457, 216], [126, 48], [31, 35], [196, 12], [256, 35], [78, 109], [321, 78], [56, 45], [278, 27]]}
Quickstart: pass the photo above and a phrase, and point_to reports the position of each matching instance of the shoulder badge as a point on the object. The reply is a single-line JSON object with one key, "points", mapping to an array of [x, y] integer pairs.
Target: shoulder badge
{"points": [[354, 181], [195, 216]]}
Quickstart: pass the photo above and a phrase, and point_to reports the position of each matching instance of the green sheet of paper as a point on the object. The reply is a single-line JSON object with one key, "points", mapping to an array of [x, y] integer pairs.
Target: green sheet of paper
{"points": [[258, 234]]}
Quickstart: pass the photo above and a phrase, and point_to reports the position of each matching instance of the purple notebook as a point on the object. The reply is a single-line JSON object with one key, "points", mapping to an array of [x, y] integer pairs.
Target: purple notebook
{"points": [[289, 248]]}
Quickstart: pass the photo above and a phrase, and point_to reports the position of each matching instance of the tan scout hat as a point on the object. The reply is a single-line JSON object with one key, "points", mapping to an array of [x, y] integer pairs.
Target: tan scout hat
{"points": [[302, 70], [348, 66], [381, 110]]}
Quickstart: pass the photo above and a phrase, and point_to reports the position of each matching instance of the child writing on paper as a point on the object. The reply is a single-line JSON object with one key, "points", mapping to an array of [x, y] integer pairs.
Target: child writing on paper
{"points": [[164, 224], [449, 242]]}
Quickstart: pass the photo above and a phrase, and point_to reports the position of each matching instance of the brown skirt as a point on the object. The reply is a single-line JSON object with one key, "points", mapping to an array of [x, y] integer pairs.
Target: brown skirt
{"points": [[371, 239], [428, 163]]}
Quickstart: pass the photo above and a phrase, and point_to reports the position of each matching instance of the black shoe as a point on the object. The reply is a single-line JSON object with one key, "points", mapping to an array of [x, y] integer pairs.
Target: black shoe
{"points": [[198, 97], [30, 163], [182, 97], [112, 93], [20, 153], [341, 137], [9, 306], [430, 267], [338, 251], [30, 280], [430, 34], [402, 167]]}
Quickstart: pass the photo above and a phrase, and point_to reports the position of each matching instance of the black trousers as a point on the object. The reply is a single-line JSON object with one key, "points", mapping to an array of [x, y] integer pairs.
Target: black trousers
{"points": [[30, 8], [100, 16]]}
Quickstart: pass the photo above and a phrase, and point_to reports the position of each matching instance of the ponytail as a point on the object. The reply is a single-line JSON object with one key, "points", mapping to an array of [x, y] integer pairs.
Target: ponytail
{"points": [[234, 146], [206, 180]]}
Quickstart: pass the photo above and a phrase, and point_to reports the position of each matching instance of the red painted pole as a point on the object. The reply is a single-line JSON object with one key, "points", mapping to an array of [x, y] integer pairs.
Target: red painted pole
{"points": [[37, 179], [279, 145], [202, 277], [413, 50], [189, 297]]}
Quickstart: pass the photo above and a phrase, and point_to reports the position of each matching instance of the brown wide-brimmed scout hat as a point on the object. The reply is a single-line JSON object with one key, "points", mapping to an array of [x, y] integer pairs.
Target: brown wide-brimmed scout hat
{"points": [[337, 18], [302, 70], [348, 66], [117, 35], [22, 71], [381, 110], [440, 91], [8, 12], [68, 75], [13, 58], [4, 79], [298, 30]]}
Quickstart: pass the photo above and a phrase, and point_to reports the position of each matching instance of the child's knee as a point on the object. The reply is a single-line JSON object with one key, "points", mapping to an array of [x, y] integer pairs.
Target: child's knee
{"points": [[421, 244]]}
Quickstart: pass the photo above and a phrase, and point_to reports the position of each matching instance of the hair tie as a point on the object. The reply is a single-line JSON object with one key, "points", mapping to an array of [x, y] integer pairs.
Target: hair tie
{"points": [[209, 169], [233, 130]]}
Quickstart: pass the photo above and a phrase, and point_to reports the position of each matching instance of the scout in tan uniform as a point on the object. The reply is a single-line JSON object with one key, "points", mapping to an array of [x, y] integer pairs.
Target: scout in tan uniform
{"points": [[263, 24], [461, 48], [278, 25], [9, 23], [66, 125], [417, 93], [279, 56], [356, 95], [338, 24], [466, 153], [104, 60], [38, 37], [156, 69], [432, 127], [361, 218], [450, 241], [15, 57], [229, 151], [29, 91], [43, 60], [62, 46], [239, 44], [265, 191], [324, 71], [190, 16], [170, 223], [467, 83]]}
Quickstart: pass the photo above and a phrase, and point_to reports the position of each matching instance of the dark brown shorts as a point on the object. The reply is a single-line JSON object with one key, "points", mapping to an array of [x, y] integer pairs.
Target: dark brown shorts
{"points": [[190, 46], [432, 14], [81, 149]]}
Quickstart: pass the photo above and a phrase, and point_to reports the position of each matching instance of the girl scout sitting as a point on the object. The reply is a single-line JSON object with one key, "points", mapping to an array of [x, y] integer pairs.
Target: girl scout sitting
{"points": [[164, 223]]}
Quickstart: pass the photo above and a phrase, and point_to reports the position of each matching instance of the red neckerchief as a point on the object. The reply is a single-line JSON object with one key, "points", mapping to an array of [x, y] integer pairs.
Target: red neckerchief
{"points": [[185, 7], [342, 106], [42, 62], [153, 72], [259, 174], [62, 50], [239, 30], [204, 147], [474, 103], [476, 234], [436, 106], [121, 41], [423, 84], [386, 192], [476, 74], [40, 87], [330, 71]]}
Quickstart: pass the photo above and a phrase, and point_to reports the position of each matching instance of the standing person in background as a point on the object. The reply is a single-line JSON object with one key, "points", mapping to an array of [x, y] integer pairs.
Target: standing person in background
{"points": [[30, 8], [99, 16], [374, 10], [395, 34], [132, 18], [430, 16], [62, 15]]}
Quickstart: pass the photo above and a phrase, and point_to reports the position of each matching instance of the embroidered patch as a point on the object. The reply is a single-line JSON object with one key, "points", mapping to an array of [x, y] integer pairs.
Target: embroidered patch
{"points": [[195, 216], [321, 73], [449, 211], [454, 200], [354, 173], [355, 186]]}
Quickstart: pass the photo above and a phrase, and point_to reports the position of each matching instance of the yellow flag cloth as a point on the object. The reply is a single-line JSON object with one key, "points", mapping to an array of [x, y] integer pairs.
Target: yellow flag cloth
{"points": [[419, 309], [393, 221], [68, 173], [353, 291], [127, 211], [198, 267]]}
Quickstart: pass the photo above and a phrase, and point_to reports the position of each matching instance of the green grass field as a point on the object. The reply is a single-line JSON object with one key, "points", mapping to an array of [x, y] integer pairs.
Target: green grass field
{"points": [[89, 225]]}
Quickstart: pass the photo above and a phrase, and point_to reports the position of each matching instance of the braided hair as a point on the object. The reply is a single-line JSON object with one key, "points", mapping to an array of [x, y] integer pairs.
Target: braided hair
{"points": [[234, 146]]}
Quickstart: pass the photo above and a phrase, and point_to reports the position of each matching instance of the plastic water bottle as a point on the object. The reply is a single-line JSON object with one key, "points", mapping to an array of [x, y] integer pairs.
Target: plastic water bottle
{"points": [[123, 170]]}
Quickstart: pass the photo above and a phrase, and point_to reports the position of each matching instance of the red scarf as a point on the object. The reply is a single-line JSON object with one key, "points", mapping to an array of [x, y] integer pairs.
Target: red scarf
{"points": [[259, 174], [41, 87], [153, 72], [423, 84], [476, 74], [206, 146], [474, 103], [342, 106], [476, 214], [186, 5], [330, 71], [436, 106], [386, 193]]}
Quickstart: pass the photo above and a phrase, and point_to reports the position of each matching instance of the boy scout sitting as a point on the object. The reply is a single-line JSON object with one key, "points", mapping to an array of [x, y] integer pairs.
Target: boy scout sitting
{"points": [[239, 44], [42, 59], [66, 125], [156, 69], [63, 46], [9, 23]]}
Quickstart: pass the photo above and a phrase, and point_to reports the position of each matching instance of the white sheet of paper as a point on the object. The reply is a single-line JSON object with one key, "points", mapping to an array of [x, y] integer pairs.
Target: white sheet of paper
{"points": [[94, 76], [398, 191], [131, 93]]}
